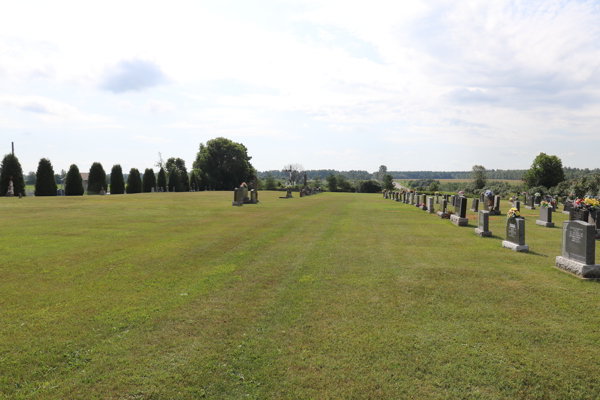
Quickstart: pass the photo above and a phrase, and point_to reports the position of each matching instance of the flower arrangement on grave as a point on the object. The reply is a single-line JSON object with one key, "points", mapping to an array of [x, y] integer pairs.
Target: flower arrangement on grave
{"points": [[423, 206], [545, 204], [437, 193], [243, 184], [537, 194], [510, 199], [591, 204], [461, 192], [513, 213]]}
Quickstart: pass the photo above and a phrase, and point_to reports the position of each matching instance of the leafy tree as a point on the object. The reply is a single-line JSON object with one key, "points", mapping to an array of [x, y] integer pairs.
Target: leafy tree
{"points": [[343, 184], [117, 182], [382, 172], [332, 182], [45, 183], [11, 168], [545, 171], [179, 164], [224, 163], [369, 186], [317, 181], [194, 182], [161, 181], [270, 181], [434, 186], [73, 182], [96, 179], [149, 180], [388, 182], [134, 181], [479, 176], [174, 182], [31, 178]]}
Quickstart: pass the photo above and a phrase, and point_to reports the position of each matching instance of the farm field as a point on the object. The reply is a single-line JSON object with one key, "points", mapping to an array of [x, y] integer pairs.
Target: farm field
{"points": [[336, 295]]}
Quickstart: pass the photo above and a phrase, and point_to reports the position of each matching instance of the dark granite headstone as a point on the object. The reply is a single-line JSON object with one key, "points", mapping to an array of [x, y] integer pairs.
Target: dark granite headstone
{"points": [[579, 215], [568, 206], [515, 231], [517, 205], [474, 205], [579, 243], [453, 200], [461, 207]]}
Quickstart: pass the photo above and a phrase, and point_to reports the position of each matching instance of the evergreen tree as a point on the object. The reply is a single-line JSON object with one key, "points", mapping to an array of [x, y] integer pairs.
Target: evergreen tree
{"points": [[117, 182], [161, 181], [134, 181], [149, 180], [174, 182], [11, 168], [73, 182], [388, 182], [194, 184], [96, 179], [45, 183]]}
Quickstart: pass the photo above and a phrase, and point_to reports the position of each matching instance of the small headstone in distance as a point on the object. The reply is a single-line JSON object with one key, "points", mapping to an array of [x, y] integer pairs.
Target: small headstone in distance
{"points": [[545, 217], [483, 223], [579, 250]]}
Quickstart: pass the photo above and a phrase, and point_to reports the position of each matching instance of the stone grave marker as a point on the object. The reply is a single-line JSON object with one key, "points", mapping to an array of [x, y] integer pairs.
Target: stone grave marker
{"points": [[579, 215], [594, 219], [483, 224], [496, 209], [515, 235], [474, 205], [238, 197], [578, 254], [430, 208], [443, 207], [460, 216], [568, 207], [545, 217], [453, 200], [530, 204], [517, 205]]}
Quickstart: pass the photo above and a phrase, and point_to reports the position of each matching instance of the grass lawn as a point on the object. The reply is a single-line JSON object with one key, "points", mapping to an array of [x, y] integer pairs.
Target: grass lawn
{"points": [[338, 295]]}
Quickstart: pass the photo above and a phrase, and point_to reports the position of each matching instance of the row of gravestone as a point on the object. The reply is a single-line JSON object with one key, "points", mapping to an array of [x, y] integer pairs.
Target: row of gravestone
{"points": [[578, 248]]}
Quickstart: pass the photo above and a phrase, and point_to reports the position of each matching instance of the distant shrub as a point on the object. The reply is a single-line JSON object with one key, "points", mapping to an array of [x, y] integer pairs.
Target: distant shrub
{"points": [[11, 167], [45, 183], [117, 182], [73, 182], [134, 182], [149, 180], [96, 179], [369, 186], [161, 181]]}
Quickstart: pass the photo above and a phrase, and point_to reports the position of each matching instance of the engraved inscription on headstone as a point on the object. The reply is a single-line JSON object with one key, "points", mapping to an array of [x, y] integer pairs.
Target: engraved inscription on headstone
{"points": [[579, 242]]}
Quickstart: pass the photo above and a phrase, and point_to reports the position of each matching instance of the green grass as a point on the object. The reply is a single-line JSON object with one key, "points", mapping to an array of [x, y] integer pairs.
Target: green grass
{"points": [[338, 295]]}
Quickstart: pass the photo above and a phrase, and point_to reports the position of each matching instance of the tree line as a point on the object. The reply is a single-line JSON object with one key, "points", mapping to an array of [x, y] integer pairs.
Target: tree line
{"points": [[220, 164]]}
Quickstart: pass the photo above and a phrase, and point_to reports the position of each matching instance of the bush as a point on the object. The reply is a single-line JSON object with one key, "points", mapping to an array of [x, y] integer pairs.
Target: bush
{"points": [[11, 168], [96, 179], [117, 182], [369, 186], [134, 181], [161, 181], [73, 182], [149, 180], [174, 182], [45, 183]]}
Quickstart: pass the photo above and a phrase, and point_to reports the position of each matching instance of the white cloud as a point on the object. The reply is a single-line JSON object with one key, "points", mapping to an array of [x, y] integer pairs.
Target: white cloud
{"points": [[153, 140], [159, 107], [49, 110]]}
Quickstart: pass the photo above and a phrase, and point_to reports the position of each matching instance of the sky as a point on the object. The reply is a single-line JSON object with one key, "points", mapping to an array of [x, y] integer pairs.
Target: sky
{"points": [[413, 85]]}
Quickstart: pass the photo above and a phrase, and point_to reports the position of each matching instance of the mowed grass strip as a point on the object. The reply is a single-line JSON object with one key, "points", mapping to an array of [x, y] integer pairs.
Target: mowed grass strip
{"points": [[181, 295]]}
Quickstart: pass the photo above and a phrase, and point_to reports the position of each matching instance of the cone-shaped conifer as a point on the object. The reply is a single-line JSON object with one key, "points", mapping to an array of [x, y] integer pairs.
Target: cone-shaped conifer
{"points": [[161, 181], [149, 180], [134, 182], [45, 183], [117, 182], [96, 179], [73, 182], [11, 167]]}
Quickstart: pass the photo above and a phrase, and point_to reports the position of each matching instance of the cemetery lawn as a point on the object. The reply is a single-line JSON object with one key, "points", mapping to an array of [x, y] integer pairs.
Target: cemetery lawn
{"points": [[337, 295]]}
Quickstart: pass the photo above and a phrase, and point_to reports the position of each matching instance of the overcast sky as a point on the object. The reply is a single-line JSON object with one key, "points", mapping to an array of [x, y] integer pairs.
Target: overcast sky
{"points": [[436, 85]]}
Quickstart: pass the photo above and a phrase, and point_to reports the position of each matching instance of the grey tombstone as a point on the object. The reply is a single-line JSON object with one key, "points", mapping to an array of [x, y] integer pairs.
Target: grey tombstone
{"points": [[443, 207], [579, 249], [517, 205], [437, 199], [474, 205], [152, 190], [545, 217], [496, 209], [538, 200], [568, 207], [238, 195], [453, 200], [483, 224], [515, 235], [460, 216], [594, 219], [482, 203], [579, 215], [530, 204], [430, 208]]}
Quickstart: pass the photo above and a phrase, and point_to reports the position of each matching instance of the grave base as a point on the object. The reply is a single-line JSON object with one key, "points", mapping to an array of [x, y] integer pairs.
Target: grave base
{"points": [[237, 203], [473, 210], [494, 212], [458, 221], [577, 268], [514, 247], [423, 208], [544, 223], [530, 208], [566, 212], [482, 233]]}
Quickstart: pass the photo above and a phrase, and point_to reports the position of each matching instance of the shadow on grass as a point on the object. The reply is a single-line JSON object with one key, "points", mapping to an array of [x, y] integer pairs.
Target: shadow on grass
{"points": [[537, 254]]}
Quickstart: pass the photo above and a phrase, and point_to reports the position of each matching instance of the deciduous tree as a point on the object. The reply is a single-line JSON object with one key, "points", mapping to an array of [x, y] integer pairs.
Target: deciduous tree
{"points": [[545, 171], [223, 164]]}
